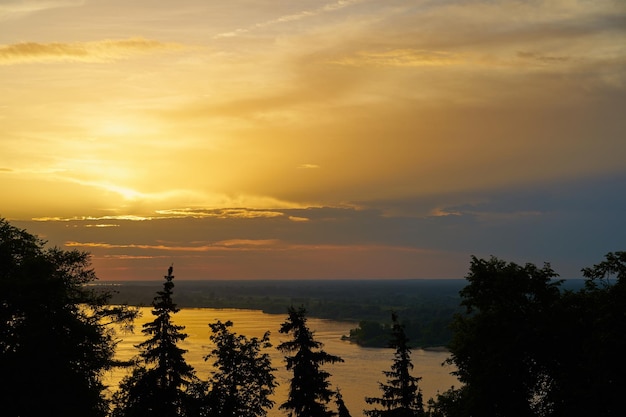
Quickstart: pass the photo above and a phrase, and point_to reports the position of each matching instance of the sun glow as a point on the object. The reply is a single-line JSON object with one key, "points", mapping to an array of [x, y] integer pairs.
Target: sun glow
{"points": [[120, 126], [116, 128]]}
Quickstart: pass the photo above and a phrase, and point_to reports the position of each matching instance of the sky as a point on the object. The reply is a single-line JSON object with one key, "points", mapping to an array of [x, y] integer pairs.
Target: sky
{"points": [[315, 139]]}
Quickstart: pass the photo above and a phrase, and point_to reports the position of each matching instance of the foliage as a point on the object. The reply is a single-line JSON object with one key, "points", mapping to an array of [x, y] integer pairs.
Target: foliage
{"points": [[157, 386], [525, 348], [342, 410], [243, 380], [498, 343], [309, 391], [589, 372], [448, 404], [371, 333], [402, 396], [54, 338], [425, 327]]}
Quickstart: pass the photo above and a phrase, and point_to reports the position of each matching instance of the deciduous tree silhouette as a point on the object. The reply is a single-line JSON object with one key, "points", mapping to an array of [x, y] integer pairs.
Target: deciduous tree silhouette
{"points": [[243, 379], [504, 344], [402, 396], [54, 340], [157, 386], [589, 368], [309, 390]]}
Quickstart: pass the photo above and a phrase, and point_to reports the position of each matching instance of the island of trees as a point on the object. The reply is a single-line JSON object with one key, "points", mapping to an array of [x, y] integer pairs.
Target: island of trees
{"points": [[522, 344]]}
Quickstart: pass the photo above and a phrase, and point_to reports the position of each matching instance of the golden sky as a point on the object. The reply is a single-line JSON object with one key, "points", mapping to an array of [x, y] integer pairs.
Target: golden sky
{"points": [[315, 139]]}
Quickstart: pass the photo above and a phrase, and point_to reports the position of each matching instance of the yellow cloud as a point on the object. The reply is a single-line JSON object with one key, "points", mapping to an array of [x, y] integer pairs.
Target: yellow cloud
{"points": [[90, 218], [15, 8], [98, 226], [226, 213], [299, 219], [330, 7], [401, 58], [99, 51]]}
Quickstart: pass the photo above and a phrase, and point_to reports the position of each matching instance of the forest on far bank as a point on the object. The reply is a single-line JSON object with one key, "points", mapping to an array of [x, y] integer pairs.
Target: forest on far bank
{"points": [[427, 306]]}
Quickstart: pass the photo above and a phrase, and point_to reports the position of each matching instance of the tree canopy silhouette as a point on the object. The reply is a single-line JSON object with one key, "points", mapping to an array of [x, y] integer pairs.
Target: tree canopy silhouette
{"points": [[526, 348], [498, 345], [243, 379], [589, 372], [54, 335]]}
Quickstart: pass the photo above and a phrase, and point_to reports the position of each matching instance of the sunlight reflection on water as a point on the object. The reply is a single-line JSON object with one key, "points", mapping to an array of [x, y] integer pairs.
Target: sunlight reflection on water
{"points": [[357, 376]]}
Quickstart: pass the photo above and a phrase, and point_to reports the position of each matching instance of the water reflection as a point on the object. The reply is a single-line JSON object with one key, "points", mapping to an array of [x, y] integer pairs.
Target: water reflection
{"points": [[357, 377]]}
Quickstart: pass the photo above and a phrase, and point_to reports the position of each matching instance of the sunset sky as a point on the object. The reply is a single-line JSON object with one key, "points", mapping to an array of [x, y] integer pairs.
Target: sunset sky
{"points": [[315, 139]]}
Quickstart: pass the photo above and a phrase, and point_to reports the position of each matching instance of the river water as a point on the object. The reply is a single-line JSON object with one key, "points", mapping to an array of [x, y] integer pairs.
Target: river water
{"points": [[357, 377]]}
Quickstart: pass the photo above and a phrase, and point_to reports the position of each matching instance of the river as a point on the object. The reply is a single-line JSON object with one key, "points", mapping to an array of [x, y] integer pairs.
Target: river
{"points": [[357, 377]]}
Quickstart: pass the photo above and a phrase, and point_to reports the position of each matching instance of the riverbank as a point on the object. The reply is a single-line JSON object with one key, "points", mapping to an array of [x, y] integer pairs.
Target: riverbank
{"points": [[426, 307]]}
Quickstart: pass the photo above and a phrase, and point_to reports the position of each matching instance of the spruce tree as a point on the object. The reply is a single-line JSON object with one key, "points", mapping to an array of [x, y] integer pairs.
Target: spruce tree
{"points": [[342, 410], [309, 390], [157, 385], [402, 396]]}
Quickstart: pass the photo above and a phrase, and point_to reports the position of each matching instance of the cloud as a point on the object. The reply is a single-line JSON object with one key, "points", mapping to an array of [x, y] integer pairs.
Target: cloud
{"points": [[13, 9], [230, 244], [299, 219], [102, 225], [401, 58], [246, 243], [569, 223], [94, 52], [544, 59], [128, 217], [132, 257], [330, 7], [226, 213]]}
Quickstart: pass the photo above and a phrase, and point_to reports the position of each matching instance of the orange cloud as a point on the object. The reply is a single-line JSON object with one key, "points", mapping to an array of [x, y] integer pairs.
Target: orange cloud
{"points": [[401, 58], [234, 244]]}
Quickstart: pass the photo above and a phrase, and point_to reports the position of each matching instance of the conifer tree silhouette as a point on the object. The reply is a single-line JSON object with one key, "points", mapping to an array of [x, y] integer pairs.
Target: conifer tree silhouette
{"points": [[402, 396], [157, 386], [309, 391]]}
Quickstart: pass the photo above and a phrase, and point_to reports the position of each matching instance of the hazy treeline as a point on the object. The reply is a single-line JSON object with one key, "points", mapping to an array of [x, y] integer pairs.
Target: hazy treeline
{"points": [[427, 307], [522, 344]]}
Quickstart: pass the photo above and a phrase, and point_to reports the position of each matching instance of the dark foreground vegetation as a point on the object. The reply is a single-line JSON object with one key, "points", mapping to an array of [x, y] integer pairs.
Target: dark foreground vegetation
{"points": [[523, 346]]}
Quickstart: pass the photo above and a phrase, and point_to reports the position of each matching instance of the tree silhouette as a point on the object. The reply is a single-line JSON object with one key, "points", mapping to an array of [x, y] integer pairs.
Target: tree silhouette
{"points": [[506, 342], [589, 372], [402, 396], [342, 410], [243, 380], [309, 390], [157, 385], [55, 341]]}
